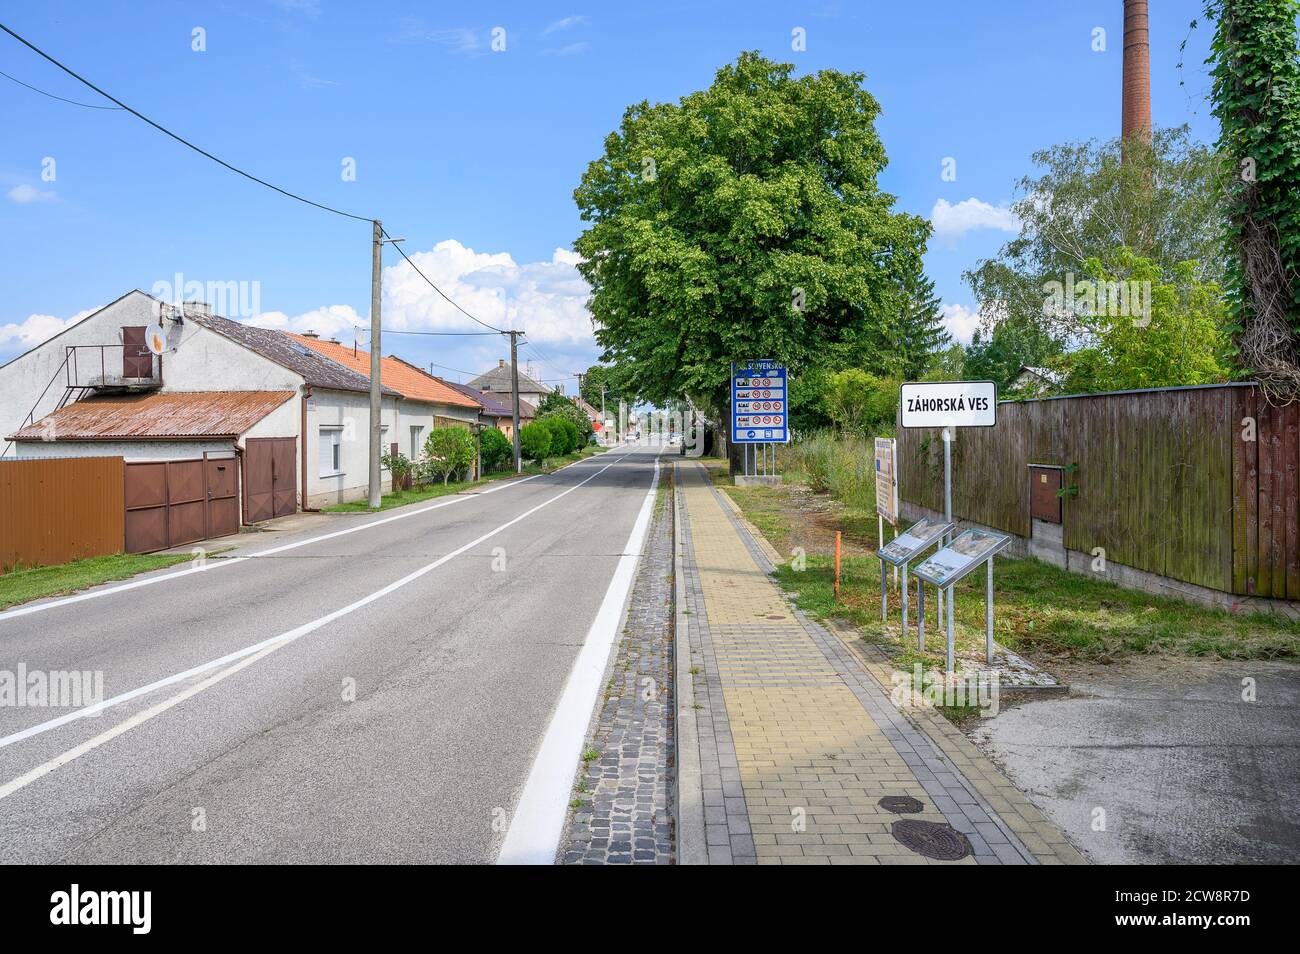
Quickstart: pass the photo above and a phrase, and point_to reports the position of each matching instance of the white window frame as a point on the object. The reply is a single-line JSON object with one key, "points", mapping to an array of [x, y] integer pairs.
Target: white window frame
{"points": [[331, 438]]}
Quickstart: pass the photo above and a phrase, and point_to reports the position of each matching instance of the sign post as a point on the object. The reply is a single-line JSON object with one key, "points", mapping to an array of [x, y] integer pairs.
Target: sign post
{"points": [[760, 415], [962, 556], [948, 405]]}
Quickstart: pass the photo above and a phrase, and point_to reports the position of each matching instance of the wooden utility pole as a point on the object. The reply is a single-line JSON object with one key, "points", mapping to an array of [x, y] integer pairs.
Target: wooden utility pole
{"points": [[514, 389], [376, 387]]}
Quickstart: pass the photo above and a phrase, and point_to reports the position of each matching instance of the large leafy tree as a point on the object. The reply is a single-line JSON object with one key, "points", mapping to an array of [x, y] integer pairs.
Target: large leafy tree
{"points": [[607, 381], [743, 221], [1013, 343], [1095, 200]]}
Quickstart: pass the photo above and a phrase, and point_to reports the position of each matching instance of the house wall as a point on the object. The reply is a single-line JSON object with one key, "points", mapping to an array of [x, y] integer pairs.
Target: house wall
{"points": [[350, 411], [203, 361]]}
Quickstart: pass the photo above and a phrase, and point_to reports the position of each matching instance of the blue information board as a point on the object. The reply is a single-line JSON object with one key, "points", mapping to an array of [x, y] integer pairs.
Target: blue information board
{"points": [[760, 403]]}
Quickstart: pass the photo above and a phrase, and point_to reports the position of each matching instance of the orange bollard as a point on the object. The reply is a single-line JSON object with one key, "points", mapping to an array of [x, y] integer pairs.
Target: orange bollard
{"points": [[837, 565]]}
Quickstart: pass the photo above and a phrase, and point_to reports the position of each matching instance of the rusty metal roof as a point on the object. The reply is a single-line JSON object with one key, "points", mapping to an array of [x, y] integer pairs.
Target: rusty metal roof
{"points": [[171, 415]]}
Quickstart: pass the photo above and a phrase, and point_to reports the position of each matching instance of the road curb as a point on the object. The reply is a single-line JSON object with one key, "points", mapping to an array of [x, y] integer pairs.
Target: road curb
{"points": [[691, 848]]}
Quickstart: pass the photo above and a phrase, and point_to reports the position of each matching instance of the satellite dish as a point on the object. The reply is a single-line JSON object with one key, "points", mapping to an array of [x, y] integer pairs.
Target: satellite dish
{"points": [[154, 339]]}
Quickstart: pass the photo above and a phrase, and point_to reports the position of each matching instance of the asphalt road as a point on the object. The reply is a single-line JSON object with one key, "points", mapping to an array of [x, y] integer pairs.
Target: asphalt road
{"points": [[457, 673]]}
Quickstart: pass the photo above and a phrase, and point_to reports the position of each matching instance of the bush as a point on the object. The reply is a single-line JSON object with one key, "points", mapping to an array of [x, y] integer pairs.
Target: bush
{"points": [[535, 441], [564, 435], [399, 466], [449, 450], [859, 402], [497, 450]]}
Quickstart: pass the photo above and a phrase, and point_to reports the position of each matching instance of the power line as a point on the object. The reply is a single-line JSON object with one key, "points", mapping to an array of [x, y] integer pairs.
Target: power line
{"points": [[428, 280], [180, 139], [71, 102], [468, 334]]}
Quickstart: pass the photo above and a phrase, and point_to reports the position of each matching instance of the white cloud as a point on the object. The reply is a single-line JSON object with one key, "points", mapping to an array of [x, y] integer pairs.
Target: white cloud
{"points": [[546, 299], [571, 50], [564, 24], [960, 322], [25, 193], [951, 222], [34, 329]]}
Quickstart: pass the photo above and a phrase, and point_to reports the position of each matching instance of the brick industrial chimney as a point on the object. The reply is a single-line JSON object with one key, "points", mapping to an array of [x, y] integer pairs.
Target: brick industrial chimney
{"points": [[1136, 120]]}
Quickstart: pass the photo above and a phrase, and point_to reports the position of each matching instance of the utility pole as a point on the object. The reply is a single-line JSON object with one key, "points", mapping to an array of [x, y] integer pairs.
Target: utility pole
{"points": [[514, 392], [376, 388], [376, 385]]}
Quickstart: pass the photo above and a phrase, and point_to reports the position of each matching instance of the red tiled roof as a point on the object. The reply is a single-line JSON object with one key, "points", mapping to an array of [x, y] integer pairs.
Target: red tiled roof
{"points": [[406, 379], [170, 415]]}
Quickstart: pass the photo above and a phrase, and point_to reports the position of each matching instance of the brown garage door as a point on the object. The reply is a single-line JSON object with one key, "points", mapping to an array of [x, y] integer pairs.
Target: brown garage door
{"points": [[174, 502], [270, 477]]}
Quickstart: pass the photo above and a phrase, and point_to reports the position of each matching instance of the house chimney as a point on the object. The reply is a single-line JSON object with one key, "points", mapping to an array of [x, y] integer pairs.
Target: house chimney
{"points": [[1135, 117], [310, 334], [199, 307], [501, 362]]}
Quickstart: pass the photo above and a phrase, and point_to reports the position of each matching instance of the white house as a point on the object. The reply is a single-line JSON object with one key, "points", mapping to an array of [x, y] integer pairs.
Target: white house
{"points": [[297, 421]]}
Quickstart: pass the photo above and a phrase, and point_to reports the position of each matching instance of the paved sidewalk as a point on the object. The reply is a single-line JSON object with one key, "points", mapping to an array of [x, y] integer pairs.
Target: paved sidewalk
{"points": [[796, 741]]}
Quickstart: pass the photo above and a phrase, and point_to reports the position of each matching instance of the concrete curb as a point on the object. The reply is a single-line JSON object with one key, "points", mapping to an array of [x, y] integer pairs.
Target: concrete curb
{"points": [[691, 847]]}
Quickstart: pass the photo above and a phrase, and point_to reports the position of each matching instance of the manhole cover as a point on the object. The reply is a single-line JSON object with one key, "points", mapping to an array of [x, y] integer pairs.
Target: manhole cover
{"points": [[932, 839], [901, 804]]}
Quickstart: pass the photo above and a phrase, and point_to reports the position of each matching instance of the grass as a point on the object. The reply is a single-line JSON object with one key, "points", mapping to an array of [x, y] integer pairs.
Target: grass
{"points": [[1039, 609], [403, 498], [23, 584]]}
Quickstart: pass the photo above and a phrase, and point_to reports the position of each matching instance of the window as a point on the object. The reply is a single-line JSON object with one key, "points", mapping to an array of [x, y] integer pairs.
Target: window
{"points": [[417, 445], [331, 451]]}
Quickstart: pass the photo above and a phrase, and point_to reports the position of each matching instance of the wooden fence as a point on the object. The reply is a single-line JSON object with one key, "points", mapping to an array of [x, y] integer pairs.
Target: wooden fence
{"points": [[53, 510], [1171, 481]]}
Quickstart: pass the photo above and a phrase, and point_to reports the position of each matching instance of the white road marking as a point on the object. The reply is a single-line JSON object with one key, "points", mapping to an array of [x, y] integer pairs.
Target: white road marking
{"points": [[232, 561], [538, 821], [257, 650]]}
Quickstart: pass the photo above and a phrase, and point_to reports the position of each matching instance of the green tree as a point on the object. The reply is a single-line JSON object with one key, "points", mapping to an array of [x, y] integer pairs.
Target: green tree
{"points": [[1094, 199], [556, 404], [535, 441], [917, 335], [1014, 342], [609, 381], [495, 449], [1256, 95], [448, 450], [743, 221], [949, 364], [859, 402], [1178, 339]]}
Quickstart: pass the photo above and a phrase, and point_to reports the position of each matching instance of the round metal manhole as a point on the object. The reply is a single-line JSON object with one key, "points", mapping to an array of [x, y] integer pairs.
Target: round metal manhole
{"points": [[901, 804], [932, 839]]}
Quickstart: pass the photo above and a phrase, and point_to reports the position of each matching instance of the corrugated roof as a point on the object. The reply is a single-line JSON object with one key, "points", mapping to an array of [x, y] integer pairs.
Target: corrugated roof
{"points": [[282, 348], [169, 415], [406, 379], [493, 405]]}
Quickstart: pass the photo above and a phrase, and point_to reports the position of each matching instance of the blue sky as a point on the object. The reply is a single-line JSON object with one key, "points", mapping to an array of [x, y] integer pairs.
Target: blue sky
{"points": [[472, 154]]}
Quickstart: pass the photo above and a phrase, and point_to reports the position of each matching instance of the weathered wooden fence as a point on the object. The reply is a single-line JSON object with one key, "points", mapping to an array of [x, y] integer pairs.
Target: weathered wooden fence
{"points": [[1170, 481], [53, 510]]}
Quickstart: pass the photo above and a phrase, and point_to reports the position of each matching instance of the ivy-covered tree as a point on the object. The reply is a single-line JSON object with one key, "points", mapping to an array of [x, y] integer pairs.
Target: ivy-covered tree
{"points": [[1256, 94], [744, 221]]}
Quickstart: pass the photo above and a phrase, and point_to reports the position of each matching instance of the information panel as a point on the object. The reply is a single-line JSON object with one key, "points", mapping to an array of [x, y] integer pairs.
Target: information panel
{"points": [[904, 548], [886, 479], [759, 403], [969, 550]]}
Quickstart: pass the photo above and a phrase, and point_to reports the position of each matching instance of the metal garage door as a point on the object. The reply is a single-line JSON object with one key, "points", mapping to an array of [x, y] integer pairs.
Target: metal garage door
{"points": [[270, 477], [174, 502]]}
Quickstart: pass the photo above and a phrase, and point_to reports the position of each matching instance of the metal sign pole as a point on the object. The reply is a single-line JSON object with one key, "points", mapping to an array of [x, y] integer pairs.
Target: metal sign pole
{"points": [[884, 596], [988, 615], [950, 638], [920, 613], [904, 599]]}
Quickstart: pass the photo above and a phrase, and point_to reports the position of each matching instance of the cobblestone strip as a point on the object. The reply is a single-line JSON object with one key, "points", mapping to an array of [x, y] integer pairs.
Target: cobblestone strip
{"points": [[977, 798], [626, 783]]}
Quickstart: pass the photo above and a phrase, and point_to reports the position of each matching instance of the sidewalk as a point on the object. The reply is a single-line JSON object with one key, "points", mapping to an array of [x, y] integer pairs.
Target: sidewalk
{"points": [[788, 741]]}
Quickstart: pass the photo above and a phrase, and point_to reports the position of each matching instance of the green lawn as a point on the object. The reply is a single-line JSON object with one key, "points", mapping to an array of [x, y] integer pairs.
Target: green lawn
{"points": [[1039, 609], [402, 498], [33, 583]]}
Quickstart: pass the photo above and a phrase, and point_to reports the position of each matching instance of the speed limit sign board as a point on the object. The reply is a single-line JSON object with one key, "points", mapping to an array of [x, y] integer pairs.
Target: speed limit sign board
{"points": [[759, 403]]}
